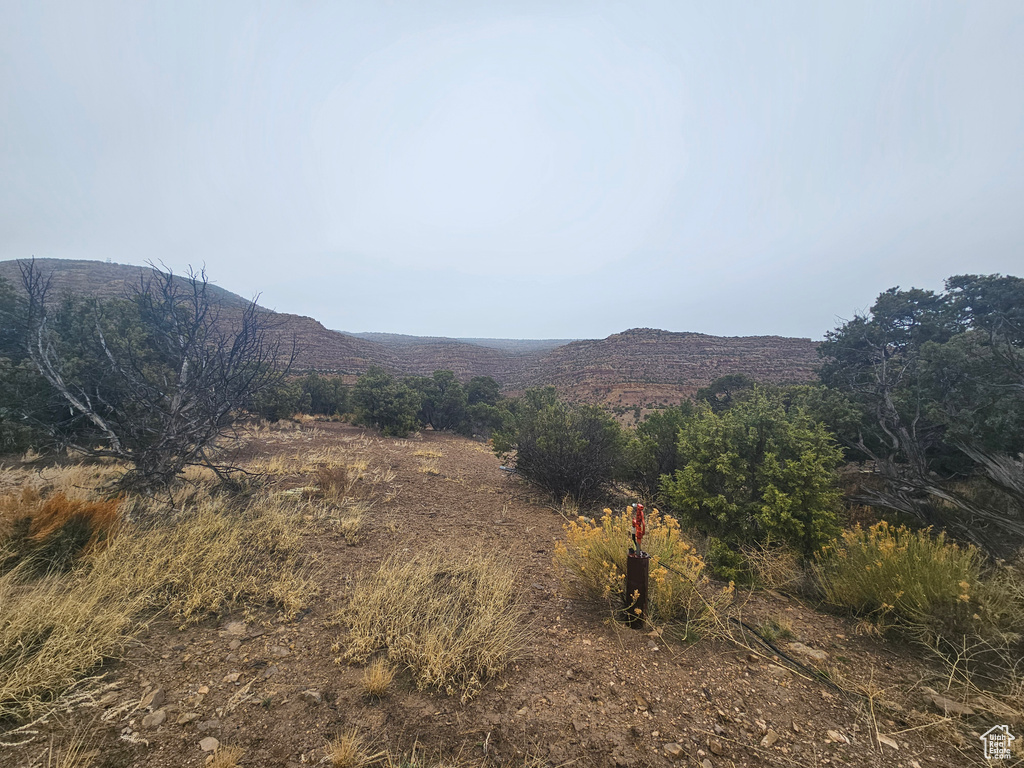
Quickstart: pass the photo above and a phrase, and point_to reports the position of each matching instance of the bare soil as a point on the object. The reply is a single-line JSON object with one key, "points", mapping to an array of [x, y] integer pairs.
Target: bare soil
{"points": [[586, 692]]}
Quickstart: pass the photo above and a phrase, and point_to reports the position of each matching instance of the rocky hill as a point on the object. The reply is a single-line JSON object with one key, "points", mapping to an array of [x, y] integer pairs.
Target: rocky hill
{"points": [[638, 367]]}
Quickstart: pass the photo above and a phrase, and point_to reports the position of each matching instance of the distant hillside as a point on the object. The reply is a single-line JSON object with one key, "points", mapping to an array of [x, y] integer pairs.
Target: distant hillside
{"points": [[645, 365], [519, 346], [638, 367]]}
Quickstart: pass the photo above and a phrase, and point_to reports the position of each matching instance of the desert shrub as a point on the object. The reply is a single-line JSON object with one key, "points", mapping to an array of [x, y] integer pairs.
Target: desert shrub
{"points": [[281, 401], [380, 401], [899, 577], [454, 618], [756, 471], [442, 400], [49, 533], [324, 395], [594, 555], [566, 450]]}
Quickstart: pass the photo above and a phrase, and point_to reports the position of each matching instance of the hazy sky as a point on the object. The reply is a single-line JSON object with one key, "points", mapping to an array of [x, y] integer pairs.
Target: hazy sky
{"points": [[522, 169]]}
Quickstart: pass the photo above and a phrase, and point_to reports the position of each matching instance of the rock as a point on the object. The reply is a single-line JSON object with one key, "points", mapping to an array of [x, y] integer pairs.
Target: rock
{"points": [[673, 750], [155, 719], [705, 763], [807, 652], [641, 703], [209, 725], [523, 712], [769, 738], [778, 673], [891, 743], [579, 726], [232, 677], [203, 690], [235, 644], [836, 737], [153, 700], [946, 705], [312, 697], [716, 747], [209, 744], [187, 717], [279, 651], [235, 628], [270, 671]]}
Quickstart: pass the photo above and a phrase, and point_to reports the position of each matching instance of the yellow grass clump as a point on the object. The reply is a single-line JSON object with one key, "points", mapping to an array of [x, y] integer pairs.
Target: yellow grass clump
{"points": [[454, 618], [346, 750], [593, 556], [225, 757], [198, 562], [377, 678]]}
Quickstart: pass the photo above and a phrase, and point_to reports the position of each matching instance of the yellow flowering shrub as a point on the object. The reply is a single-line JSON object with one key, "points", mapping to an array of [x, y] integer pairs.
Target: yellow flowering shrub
{"points": [[900, 577], [594, 552]]}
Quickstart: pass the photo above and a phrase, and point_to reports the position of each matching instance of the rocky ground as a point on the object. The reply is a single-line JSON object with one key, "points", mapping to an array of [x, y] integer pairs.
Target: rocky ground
{"points": [[586, 691]]}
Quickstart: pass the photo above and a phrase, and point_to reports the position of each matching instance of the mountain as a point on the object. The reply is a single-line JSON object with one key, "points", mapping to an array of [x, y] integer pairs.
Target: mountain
{"points": [[636, 368]]}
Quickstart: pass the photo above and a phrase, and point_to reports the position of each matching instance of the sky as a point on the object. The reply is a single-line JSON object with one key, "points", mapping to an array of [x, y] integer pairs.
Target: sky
{"points": [[522, 169]]}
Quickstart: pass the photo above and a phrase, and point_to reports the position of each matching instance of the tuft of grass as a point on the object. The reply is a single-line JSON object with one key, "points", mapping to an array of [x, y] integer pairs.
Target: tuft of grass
{"points": [[454, 618], [225, 757], [594, 554], [429, 453], [377, 678], [430, 468], [346, 750], [778, 628]]}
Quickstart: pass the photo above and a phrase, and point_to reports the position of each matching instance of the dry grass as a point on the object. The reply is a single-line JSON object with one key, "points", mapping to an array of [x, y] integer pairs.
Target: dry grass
{"points": [[455, 619], [377, 678], [73, 755], [429, 453], [773, 567], [225, 757], [201, 561], [346, 750], [430, 468]]}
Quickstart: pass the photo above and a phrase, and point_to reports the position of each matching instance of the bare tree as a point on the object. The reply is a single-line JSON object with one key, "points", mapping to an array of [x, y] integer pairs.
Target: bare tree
{"points": [[156, 378]]}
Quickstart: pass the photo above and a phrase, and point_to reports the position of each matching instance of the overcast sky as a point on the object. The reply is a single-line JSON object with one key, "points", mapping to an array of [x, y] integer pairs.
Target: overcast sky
{"points": [[522, 169]]}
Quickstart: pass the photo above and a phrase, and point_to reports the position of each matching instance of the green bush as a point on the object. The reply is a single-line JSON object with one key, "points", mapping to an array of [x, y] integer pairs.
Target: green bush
{"points": [[653, 451], [756, 472], [380, 401], [442, 401], [567, 450]]}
